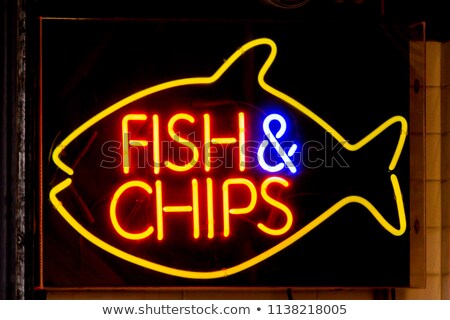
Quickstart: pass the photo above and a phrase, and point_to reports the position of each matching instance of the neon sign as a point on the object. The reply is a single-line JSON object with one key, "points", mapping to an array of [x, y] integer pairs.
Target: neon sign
{"points": [[193, 188]]}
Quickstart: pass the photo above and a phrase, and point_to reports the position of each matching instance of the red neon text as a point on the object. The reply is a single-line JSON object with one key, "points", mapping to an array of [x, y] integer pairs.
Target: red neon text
{"points": [[209, 140], [157, 193]]}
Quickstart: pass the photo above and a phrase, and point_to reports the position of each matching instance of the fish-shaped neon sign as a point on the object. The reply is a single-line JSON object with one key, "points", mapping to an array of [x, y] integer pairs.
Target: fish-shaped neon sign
{"points": [[275, 174]]}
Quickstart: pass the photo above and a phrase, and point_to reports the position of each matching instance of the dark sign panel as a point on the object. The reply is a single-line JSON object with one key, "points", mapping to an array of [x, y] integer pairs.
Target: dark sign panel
{"points": [[224, 153]]}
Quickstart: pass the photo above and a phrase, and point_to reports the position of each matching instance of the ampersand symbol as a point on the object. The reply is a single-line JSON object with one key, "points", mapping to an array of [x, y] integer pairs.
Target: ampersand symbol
{"points": [[286, 157]]}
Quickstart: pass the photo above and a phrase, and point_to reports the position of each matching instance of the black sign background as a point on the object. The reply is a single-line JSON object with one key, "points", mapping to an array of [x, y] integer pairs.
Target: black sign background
{"points": [[353, 75]]}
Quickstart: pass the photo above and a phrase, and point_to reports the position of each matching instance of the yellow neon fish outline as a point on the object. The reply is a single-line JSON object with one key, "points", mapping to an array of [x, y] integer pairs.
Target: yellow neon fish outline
{"points": [[285, 243]]}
